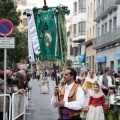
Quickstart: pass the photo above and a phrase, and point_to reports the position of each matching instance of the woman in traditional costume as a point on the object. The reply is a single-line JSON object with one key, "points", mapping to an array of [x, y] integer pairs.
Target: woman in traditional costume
{"points": [[81, 78], [96, 104], [89, 82], [44, 88]]}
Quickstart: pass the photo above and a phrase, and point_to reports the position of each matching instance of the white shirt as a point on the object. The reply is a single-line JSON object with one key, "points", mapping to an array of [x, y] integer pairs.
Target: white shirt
{"points": [[100, 82], [112, 99], [74, 105]]}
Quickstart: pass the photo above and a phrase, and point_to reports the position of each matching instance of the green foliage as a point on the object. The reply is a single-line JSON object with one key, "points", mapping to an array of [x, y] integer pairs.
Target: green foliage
{"points": [[8, 11]]}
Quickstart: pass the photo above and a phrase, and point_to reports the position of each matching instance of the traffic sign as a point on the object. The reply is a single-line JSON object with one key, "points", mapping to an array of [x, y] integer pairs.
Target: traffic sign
{"points": [[6, 27], [7, 42]]}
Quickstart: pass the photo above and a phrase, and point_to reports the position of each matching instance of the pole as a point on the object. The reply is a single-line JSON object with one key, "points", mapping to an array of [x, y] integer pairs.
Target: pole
{"points": [[45, 3], [5, 62], [56, 81]]}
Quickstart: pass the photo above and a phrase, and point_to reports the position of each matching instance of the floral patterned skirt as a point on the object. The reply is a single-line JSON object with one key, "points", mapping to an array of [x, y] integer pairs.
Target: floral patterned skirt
{"points": [[95, 113]]}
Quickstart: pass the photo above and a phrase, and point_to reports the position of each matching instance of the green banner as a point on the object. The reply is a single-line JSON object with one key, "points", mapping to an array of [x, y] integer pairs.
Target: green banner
{"points": [[47, 34]]}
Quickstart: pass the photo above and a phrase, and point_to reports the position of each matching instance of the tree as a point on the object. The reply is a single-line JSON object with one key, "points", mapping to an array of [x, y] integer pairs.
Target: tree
{"points": [[8, 11]]}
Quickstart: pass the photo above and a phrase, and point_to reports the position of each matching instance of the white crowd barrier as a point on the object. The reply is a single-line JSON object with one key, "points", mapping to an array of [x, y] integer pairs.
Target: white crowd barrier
{"points": [[18, 105], [7, 95]]}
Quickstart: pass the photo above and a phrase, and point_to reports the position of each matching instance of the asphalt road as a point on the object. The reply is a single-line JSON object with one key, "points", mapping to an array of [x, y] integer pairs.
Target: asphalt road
{"points": [[40, 106]]}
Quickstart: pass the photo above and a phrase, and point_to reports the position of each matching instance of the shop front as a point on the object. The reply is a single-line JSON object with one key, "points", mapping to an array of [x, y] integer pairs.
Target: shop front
{"points": [[101, 62], [118, 61]]}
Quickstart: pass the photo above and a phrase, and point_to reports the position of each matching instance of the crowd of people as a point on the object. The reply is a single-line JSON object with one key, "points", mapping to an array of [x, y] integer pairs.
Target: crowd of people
{"points": [[101, 101], [16, 81]]}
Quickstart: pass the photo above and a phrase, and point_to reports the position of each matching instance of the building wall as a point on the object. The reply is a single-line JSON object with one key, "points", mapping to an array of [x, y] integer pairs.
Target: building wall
{"points": [[106, 20], [24, 23], [90, 34], [90, 24], [22, 2], [103, 26], [69, 38]]}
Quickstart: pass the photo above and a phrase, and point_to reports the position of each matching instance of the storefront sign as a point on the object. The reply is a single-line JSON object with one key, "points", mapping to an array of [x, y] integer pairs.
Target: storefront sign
{"points": [[81, 58], [101, 59], [118, 56]]}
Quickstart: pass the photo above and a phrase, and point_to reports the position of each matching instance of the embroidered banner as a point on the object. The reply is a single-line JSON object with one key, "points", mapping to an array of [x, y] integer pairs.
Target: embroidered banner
{"points": [[47, 34]]}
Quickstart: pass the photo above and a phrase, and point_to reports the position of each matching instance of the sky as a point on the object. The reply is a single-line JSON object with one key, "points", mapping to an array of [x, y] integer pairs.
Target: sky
{"points": [[51, 3]]}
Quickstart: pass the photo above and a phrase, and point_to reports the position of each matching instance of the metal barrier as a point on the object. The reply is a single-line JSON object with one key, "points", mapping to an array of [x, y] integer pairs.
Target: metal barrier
{"points": [[18, 105], [7, 95]]}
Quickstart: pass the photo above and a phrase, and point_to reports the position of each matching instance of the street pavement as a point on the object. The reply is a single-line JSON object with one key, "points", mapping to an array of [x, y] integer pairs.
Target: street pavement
{"points": [[40, 104]]}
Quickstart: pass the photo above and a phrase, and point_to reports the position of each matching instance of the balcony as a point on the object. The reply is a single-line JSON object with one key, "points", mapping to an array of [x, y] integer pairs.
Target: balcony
{"points": [[78, 38], [111, 37], [102, 11], [117, 2]]}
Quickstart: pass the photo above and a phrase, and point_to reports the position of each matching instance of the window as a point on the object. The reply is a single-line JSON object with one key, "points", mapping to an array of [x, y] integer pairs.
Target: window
{"points": [[90, 32], [93, 31], [71, 50], [94, 6], [112, 65], [114, 22], [98, 32], [105, 27], [79, 49], [99, 3], [87, 34], [110, 25], [74, 29], [81, 28], [75, 51], [75, 7], [88, 12], [82, 5], [91, 11], [102, 30]]}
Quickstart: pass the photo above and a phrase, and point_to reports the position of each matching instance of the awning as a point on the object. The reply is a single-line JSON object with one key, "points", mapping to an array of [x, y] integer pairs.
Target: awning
{"points": [[81, 58], [101, 59]]}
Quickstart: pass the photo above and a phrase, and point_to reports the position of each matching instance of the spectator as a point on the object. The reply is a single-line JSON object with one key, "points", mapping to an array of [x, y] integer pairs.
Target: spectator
{"points": [[9, 79], [106, 80]]}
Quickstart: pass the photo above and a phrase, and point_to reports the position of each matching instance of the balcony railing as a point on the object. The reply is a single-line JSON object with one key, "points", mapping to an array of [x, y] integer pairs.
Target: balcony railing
{"points": [[102, 11], [111, 37], [117, 2]]}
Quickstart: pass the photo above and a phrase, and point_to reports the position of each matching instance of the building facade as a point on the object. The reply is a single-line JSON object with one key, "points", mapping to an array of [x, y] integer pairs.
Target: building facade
{"points": [[22, 2], [90, 35], [79, 33], [107, 41], [69, 41]]}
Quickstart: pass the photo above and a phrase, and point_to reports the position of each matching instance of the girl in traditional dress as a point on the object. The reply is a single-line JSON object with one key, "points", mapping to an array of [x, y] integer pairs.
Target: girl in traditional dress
{"points": [[112, 112], [96, 104], [44, 88], [88, 84], [81, 78]]}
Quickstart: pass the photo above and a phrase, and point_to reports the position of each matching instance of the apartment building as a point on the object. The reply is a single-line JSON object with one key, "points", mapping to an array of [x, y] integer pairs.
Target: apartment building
{"points": [[90, 35], [79, 33], [22, 2], [69, 41], [107, 41]]}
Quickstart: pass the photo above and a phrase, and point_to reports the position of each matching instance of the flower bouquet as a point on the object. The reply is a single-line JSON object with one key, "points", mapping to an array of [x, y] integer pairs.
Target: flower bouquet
{"points": [[85, 110]]}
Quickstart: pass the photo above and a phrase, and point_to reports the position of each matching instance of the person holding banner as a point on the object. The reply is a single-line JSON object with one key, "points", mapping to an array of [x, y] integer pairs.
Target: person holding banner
{"points": [[71, 97]]}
